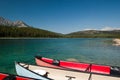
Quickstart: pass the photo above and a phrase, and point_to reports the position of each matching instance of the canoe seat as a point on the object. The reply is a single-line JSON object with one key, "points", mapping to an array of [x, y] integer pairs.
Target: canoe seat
{"points": [[41, 72], [56, 62], [70, 77]]}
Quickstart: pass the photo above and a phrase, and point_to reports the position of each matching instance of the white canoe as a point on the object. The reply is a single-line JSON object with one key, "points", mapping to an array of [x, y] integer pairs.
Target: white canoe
{"points": [[57, 74], [22, 70]]}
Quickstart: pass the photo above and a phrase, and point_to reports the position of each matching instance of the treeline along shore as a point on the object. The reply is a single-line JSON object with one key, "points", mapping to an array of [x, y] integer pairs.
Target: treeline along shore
{"points": [[31, 32]]}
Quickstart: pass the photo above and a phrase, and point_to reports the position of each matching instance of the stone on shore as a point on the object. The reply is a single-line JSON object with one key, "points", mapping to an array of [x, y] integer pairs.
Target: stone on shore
{"points": [[116, 42]]}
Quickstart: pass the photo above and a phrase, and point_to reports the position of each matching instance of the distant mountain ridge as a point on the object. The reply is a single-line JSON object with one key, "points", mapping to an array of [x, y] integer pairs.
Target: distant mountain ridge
{"points": [[6, 22], [95, 34], [20, 29]]}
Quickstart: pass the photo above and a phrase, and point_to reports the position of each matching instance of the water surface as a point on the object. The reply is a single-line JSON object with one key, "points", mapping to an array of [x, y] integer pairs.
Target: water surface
{"points": [[92, 50]]}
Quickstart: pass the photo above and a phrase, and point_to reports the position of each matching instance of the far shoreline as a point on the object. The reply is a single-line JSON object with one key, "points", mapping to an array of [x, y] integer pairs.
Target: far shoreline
{"points": [[25, 38], [53, 38]]}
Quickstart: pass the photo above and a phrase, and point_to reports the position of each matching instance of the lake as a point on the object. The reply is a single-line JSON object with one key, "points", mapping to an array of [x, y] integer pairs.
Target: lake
{"points": [[91, 50]]}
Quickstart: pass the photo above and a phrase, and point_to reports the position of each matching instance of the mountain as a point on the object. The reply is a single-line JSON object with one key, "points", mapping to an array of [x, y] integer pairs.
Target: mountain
{"points": [[20, 24], [6, 22], [95, 34], [21, 29]]}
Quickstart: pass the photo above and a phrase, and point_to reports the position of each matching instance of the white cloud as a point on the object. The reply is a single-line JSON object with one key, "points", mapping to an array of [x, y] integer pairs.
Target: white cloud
{"points": [[109, 29], [103, 29]]}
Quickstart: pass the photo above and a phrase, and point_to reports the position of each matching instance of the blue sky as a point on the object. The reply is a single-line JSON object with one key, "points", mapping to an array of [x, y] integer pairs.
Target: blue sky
{"points": [[64, 16]]}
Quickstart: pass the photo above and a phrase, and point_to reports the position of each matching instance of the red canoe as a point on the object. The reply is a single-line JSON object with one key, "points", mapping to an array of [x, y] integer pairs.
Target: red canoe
{"points": [[87, 67], [4, 76]]}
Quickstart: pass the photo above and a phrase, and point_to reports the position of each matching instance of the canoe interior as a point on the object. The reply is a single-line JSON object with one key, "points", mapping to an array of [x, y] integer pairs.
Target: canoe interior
{"points": [[62, 74]]}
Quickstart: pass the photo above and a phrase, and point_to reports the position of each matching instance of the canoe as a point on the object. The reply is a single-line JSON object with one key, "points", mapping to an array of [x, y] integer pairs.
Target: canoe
{"points": [[5, 76], [47, 73], [85, 67], [23, 70]]}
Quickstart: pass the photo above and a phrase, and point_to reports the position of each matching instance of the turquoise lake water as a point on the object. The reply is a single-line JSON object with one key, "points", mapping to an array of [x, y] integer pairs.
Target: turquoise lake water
{"points": [[92, 50]]}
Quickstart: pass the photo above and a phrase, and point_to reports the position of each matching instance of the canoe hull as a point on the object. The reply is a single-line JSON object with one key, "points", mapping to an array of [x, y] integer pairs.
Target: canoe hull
{"points": [[85, 67], [24, 72]]}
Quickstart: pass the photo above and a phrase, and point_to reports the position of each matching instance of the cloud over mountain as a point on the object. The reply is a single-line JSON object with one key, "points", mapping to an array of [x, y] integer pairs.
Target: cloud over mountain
{"points": [[103, 29], [109, 29]]}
